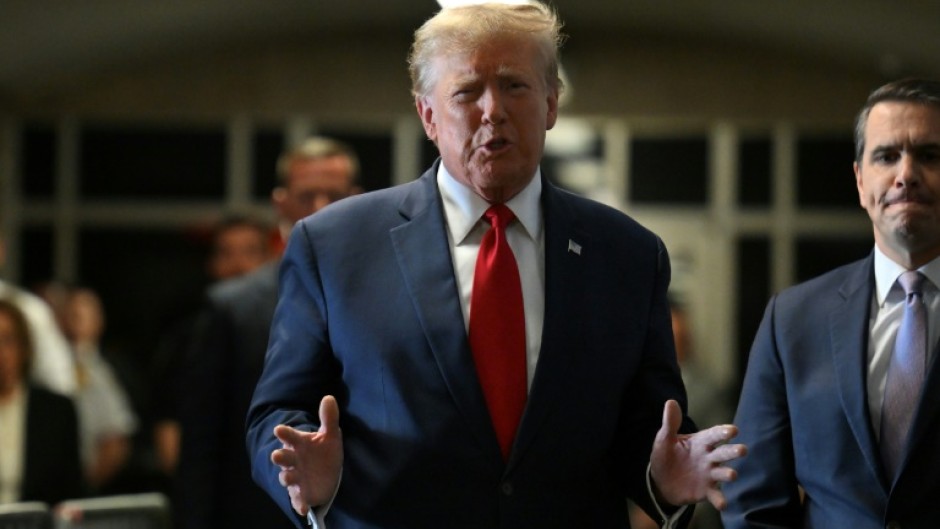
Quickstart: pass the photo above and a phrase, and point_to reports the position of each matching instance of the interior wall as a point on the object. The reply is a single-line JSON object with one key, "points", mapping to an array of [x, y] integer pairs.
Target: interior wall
{"points": [[364, 77]]}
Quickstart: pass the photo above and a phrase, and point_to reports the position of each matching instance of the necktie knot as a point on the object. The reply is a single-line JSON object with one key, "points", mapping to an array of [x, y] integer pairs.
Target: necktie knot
{"points": [[499, 216], [912, 282]]}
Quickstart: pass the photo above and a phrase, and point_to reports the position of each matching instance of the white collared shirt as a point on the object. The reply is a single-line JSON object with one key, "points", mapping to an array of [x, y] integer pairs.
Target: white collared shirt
{"points": [[886, 313], [463, 210]]}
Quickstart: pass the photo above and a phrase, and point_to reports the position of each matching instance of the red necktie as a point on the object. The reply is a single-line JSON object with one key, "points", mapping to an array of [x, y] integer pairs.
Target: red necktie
{"points": [[497, 328]]}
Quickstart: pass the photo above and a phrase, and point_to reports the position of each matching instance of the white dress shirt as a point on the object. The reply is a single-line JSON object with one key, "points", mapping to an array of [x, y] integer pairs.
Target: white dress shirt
{"points": [[463, 210], [886, 313]]}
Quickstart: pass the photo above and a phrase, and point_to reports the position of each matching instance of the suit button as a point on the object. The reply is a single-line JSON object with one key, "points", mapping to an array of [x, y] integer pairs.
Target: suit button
{"points": [[506, 489], [893, 524]]}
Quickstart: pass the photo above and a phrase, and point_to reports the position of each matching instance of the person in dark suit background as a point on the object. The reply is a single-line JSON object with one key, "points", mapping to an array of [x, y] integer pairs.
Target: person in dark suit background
{"points": [[240, 244], [227, 352], [370, 336], [39, 447], [811, 407]]}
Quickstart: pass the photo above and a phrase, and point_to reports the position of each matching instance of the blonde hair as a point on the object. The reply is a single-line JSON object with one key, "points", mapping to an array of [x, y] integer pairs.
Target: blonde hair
{"points": [[316, 147], [462, 29]]}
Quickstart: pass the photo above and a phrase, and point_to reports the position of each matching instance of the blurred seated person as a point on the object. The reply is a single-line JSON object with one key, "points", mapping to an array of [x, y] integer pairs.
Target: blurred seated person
{"points": [[105, 415], [39, 447]]}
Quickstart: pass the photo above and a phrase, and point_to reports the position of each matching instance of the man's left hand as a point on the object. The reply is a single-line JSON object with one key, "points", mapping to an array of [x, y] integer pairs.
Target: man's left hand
{"points": [[689, 468]]}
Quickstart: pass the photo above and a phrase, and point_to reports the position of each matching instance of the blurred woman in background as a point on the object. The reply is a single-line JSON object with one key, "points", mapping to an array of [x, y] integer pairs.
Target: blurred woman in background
{"points": [[39, 449]]}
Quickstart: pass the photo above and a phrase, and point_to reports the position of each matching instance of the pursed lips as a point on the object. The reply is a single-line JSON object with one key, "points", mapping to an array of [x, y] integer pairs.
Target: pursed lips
{"points": [[905, 198]]}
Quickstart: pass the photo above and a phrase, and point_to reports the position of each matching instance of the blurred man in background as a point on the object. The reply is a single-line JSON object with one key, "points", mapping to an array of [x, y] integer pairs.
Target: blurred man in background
{"points": [[228, 352], [239, 246]]}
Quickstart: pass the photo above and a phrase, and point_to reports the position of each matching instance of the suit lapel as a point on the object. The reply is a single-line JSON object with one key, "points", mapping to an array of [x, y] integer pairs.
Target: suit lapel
{"points": [[563, 283], [849, 338], [424, 257]]}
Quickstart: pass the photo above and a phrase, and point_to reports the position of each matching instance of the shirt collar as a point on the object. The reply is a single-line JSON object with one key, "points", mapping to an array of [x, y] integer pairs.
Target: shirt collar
{"points": [[888, 271], [463, 208]]}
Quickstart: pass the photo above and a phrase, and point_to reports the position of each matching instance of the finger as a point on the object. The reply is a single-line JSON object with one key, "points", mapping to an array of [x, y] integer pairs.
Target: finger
{"points": [[284, 458], [296, 500], [716, 498], [286, 478], [288, 435], [329, 415], [723, 474], [725, 453], [672, 419], [716, 435]]}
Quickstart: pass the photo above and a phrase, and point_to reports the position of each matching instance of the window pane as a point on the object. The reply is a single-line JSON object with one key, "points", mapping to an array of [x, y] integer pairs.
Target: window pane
{"points": [[375, 156], [574, 157], [669, 171], [152, 162], [268, 145], [817, 255], [148, 280], [38, 160], [755, 157], [36, 255], [753, 291], [824, 172]]}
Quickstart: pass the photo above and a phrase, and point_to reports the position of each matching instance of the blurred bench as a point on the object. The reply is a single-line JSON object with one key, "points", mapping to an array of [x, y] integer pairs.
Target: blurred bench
{"points": [[131, 511], [25, 515]]}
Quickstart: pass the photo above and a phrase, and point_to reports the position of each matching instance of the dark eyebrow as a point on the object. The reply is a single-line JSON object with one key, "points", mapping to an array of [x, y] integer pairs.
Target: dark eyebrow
{"points": [[930, 146], [881, 149]]}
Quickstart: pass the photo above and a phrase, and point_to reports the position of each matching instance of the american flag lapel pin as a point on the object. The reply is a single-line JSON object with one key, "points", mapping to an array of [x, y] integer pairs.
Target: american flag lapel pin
{"points": [[574, 247]]}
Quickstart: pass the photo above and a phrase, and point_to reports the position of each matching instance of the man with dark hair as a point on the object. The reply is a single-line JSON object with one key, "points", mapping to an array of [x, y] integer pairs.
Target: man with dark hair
{"points": [[841, 402]]}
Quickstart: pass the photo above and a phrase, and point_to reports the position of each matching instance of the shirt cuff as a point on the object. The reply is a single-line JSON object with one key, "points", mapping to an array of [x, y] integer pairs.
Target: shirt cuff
{"points": [[316, 516], [669, 522]]}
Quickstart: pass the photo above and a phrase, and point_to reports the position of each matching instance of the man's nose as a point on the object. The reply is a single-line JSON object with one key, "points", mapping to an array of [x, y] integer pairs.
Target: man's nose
{"points": [[909, 171], [494, 111]]}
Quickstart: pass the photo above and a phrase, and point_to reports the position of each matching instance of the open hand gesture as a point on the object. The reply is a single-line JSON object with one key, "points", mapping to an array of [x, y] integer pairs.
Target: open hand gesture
{"points": [[689, 468], [311, 462]]}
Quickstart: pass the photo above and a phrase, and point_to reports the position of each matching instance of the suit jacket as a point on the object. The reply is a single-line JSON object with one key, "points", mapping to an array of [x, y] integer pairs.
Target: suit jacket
{"points": [[52, 470], [804, 415], [224, 364], [369, 312]]}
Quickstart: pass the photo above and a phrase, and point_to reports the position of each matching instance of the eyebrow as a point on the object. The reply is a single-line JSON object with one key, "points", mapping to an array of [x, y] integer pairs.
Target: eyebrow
{"points": [[916, 147]]}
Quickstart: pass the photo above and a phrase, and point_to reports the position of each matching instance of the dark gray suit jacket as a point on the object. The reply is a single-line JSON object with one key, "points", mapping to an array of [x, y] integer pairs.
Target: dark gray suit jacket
{"points": [[223, 367]]}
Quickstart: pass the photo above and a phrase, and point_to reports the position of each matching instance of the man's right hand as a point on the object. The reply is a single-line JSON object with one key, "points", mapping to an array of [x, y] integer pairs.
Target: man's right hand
{"points": [[311, 462]]}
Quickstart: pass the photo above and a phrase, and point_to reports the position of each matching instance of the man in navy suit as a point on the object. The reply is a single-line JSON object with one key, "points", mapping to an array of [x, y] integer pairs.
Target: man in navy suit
{"points": [[371, 327], [812, 403]]}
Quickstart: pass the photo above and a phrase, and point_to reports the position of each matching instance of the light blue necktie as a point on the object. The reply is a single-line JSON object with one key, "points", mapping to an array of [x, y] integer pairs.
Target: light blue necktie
{"points": [[905, 373]]}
